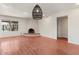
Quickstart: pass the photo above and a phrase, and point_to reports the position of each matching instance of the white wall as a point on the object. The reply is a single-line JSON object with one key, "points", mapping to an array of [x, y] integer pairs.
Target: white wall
{"points": [[48, 26], [24, 25], [73, 25]]}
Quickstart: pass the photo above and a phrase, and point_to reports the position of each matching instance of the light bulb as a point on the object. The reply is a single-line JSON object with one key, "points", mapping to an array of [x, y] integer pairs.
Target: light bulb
{"points": [[37, 10]]}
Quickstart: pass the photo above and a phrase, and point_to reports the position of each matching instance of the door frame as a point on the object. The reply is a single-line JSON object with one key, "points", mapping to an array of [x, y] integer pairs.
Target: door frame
{"points": [[57, 24]]}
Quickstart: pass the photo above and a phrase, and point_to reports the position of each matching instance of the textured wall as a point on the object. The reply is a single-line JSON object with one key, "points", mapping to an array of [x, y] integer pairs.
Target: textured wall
{"points": [[24, 25]]}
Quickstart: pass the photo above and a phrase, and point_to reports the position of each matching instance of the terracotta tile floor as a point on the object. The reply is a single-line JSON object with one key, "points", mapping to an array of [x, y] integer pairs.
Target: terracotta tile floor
{"points": [[36, 45]]}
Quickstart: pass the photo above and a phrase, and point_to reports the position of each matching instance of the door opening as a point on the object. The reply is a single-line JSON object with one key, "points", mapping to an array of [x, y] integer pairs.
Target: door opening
{"points": [[62, 27]]}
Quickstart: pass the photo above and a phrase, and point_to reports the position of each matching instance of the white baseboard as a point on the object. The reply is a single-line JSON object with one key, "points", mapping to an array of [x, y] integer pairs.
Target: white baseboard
{"points": [[35, 34], [73, 42], [49, 36]]}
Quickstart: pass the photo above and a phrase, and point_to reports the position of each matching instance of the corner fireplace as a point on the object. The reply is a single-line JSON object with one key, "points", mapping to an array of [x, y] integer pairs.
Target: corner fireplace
{"points": [[31, 31]]}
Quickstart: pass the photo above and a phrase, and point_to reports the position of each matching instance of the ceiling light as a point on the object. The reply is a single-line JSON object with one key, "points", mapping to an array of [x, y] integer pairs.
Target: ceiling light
{"points": [[37, 12]]}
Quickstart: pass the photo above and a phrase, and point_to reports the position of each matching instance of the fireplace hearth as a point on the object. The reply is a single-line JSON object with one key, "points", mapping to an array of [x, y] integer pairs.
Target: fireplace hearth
{"points": [[31, 31]]}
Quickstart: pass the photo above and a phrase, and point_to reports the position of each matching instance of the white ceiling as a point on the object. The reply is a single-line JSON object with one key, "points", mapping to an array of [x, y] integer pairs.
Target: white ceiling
{"points": [[25, 9]]}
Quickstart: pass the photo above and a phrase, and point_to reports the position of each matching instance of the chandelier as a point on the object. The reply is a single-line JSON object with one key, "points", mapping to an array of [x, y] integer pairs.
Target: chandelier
{"points": [[37, 12]]}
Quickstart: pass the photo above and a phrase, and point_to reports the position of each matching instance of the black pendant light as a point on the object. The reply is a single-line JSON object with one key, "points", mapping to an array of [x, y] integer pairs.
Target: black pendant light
{"points": [[37, 12]]}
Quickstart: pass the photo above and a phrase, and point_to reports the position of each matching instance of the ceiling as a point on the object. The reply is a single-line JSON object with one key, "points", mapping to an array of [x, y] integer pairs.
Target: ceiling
{"points": [[25, 9]]}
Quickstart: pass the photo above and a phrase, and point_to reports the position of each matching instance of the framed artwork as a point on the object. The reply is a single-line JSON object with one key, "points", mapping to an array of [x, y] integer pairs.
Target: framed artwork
{"points": [[14, 25], [9, 25]]}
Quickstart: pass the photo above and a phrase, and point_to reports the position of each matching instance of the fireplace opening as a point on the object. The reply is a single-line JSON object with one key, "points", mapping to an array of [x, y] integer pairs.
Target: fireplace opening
{"points": [[31, 31]]}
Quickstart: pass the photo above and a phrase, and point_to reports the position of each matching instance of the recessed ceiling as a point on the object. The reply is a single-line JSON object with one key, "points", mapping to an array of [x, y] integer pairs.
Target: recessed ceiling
{"points": [[25, 9]]}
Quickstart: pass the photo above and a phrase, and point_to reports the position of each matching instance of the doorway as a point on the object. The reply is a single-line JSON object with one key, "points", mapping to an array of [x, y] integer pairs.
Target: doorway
{"points": [[62, 27]]}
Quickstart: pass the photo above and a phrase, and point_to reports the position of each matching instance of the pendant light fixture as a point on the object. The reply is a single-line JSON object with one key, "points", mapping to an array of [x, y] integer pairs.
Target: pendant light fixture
{"points": [[37, 12]]}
